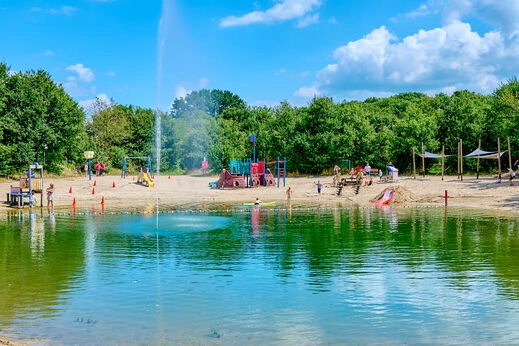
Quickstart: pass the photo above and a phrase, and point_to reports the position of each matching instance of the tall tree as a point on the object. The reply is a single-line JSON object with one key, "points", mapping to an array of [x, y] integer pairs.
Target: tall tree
{"points": [[211, 102], [39, 121], [117, 131]]}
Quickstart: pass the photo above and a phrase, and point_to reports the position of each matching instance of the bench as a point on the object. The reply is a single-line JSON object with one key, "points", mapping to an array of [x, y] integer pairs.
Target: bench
{"points": [[349, 181]]}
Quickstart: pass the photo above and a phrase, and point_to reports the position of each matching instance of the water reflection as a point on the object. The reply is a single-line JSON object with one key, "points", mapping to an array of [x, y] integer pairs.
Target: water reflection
{"points": [[254, 220], [354, 275]]}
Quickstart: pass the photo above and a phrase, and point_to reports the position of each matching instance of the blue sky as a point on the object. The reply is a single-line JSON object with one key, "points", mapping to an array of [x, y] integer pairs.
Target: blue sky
{"points": [[146, 53]]}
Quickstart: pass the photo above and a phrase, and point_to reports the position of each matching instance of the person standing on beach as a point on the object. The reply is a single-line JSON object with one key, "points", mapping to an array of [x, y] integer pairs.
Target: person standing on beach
{"points": [[512, 175], [289, 192], [319, 187], [50, 199], [97, 167], [367, 169]]}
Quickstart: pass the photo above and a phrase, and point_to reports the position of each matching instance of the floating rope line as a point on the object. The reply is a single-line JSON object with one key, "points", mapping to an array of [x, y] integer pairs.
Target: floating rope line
{"points": [[234, 210]]}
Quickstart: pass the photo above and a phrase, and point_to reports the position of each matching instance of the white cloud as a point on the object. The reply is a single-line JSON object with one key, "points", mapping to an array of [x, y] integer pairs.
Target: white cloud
{"points": [[281, 71], [203, 82], [182, 89], [76, 90], [308, 20], [503, 15], [84, 74], [280, 12], [421, 11], [307, 92], [63, 10], [76, 85], [447, 58], [46, 53], [180, 92], [92, 106]]}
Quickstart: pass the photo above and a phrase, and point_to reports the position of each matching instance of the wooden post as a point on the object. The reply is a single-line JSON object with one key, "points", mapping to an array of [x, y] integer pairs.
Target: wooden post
{"points": [[414, 166], [423, 160], [509, 155], [443, 161], [477, 169], [461, 159], [458, 160], [498, 157]]}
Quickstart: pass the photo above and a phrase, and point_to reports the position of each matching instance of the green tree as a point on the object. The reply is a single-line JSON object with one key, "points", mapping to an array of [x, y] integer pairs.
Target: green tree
{"points": [[116, 131], [503, 117], [463, 116], [38, 122], [211, 102]]}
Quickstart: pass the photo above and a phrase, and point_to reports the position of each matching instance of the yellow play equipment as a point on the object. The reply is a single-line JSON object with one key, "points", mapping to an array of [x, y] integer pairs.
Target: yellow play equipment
{"points": [[145, 179], [148, 180]]}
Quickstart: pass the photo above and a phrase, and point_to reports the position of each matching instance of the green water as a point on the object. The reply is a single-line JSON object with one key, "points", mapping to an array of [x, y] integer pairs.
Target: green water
{"points": [[261, 276]]}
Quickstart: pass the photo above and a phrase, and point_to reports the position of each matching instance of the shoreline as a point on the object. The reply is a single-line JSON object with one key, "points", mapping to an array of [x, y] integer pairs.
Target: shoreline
{"points": [[186, 192]]}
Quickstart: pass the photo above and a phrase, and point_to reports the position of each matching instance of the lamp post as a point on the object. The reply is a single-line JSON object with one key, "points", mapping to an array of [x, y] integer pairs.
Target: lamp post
{"points": [[89, 155], [44, 149], [252, 139]]}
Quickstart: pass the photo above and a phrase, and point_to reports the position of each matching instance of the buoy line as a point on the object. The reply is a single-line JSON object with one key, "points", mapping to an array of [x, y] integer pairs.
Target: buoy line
{"points": [[234, 210]]}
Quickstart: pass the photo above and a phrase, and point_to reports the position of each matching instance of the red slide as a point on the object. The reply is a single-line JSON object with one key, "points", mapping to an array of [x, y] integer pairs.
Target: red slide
{"points": [[386, 197]]}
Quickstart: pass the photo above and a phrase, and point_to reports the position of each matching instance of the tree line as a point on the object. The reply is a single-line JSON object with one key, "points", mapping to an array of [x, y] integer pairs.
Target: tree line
{"points": [[40, 122]]}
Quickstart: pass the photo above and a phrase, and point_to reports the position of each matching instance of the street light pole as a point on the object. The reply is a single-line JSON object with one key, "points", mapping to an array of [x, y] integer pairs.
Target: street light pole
{"points": [[89, 155], [44, 149], [252, 139]]}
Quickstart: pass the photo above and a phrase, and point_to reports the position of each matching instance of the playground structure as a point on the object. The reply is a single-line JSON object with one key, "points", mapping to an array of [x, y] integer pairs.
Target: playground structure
{"points": [[247, 173], [29, 185], [144, 176], [230, 180]]}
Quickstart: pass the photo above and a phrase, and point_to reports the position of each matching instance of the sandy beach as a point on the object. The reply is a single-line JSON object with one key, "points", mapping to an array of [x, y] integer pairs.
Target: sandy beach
{"points": [[193, 191]]}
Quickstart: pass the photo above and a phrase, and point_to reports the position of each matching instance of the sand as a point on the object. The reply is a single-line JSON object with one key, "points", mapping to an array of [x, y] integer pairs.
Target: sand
{"points": [[193, 192]]}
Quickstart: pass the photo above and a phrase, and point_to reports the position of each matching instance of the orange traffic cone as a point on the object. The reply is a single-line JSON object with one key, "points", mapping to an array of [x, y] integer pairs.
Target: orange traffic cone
{"points": [[95, 182], [93, 191], [74, 202], [103, 200], [113, 184], [70, 190]]}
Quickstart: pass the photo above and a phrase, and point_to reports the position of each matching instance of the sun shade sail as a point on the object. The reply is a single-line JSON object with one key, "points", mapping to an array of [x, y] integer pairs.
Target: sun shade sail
{"points": [[482, 154], [429, 155]]}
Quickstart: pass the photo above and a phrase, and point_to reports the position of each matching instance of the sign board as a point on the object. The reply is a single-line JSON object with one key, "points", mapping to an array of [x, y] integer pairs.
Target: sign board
{"points": [[88, 154]]}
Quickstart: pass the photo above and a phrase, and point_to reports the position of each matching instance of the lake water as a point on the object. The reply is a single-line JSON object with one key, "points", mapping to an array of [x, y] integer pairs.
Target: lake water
{"points": [[261, 276]]}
